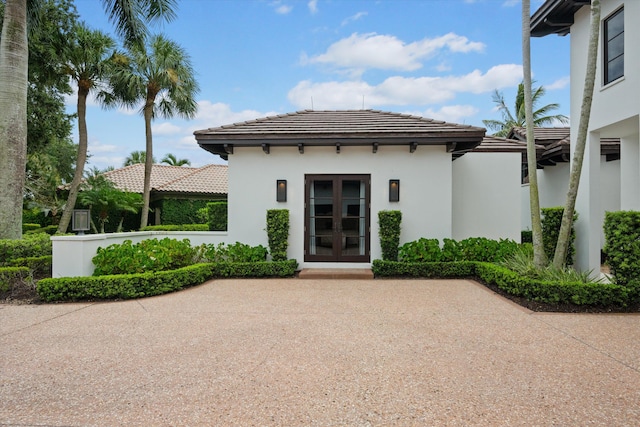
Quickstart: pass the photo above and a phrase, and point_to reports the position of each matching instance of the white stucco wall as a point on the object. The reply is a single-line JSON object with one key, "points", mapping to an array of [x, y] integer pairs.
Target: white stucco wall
{"points": [[425, 190], [615, 114], [486, 196]]}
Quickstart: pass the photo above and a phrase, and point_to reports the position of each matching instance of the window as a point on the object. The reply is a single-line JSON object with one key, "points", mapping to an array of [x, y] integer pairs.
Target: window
{"points": [[614, 47]]}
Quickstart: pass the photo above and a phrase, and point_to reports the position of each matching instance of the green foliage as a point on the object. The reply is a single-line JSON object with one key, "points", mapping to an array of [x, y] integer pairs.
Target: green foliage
{"points": [[551, 222], [217, 216], [421, 250], [31, 245], [237, 252], [127, 286], [526, 236], [383, 268], [39, 266], [278, 233], [49, 229], [389, 224], [36, 216], [471, 249], [182, 211], [145, 256], [622, 246], [171, 227], [29, 227], [10, 277]]}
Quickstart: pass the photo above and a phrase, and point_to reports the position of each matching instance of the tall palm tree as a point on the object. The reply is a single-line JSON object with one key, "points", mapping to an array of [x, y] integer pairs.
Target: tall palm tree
{"points": [[172, 160], [89, 63], [541, 116], [539, 257], [160, 76], [136, 157], [129, 16], [14, 55], [564, 235]]}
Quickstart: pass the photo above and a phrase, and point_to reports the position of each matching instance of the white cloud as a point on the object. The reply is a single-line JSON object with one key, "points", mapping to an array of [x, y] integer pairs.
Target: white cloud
{"points": [[165, 128], [281, 8], [561, 83], [313, 6], [510, 3], [402, 90], [451, 113], [385, 52], [353, 18], [219, 114]]}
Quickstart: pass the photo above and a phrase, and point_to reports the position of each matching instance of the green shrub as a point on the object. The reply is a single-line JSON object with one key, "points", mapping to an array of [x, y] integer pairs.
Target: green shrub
{"points": [[10, 277], [173, 227], [551, 222], [471, 249], [622, 245], [182, 211], [36, 216], [31, 245], [217, 216], [145, 256], [526, 236], [421, 250], [39, 266], [26, 227], [127, 286], [383, 268], [389, 224], [237, 252], [278, 233]]}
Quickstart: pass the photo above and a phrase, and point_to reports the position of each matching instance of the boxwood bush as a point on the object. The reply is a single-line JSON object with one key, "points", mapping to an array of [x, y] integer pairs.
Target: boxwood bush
{"points": [[389, 223], [551, 222], [622, 248], [278, 233], [471, 249], [31, 245]]}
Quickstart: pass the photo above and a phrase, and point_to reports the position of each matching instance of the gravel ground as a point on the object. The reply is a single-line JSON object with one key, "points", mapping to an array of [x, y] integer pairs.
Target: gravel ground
{"points": [[317, 352]]}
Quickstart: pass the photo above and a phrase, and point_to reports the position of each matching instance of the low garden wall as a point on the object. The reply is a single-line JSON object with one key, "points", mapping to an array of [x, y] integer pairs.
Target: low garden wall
{"points": [[72, 255]]}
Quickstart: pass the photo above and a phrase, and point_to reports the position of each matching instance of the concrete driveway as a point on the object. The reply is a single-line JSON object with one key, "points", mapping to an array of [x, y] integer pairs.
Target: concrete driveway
{"points": [[317, 352]]}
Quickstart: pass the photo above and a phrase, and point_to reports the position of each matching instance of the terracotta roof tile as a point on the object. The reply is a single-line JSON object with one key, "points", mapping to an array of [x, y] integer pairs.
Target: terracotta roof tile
{"points": [[210, 179]]}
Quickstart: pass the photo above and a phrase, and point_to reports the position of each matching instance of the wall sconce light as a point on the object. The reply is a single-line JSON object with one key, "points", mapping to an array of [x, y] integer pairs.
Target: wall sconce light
{"points": [[81, 220], [394, 190], [281, 191]]}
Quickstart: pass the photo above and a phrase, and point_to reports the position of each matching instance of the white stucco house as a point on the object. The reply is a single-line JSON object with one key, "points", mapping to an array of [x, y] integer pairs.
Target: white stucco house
{"points": [[615, 111], [335, 170]]}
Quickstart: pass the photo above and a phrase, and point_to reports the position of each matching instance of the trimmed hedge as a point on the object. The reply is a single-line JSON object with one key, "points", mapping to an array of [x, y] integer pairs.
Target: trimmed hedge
{"points": [[174, 227], [127, 286], [11, 276], [471, 249], [38, 265], [278, 233], [622, 245], [389, 223], [181, 211], [590, 294], [551, 222], [217, 214], [31, 245]]}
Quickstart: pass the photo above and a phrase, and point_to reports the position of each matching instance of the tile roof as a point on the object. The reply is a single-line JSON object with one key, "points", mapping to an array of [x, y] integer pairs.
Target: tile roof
{"points": [[209, 179], [543, 136], [346, 127]]}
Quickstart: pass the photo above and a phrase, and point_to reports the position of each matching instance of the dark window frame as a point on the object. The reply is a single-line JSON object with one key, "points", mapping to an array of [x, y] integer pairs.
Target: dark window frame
{"points": [[606, 41]]}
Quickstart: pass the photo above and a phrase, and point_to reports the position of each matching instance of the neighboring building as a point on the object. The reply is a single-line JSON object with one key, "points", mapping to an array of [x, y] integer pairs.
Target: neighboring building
{"points": [[335, 170], [206, 183], [615, 109]]}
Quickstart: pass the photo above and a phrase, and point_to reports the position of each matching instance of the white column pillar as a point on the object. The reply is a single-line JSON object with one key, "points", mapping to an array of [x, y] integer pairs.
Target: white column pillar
{"points": [[630, 173], [588, 207]]}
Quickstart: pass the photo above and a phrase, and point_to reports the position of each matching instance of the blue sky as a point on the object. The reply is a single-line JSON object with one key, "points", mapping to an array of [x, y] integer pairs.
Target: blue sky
{"points": [[440, 59]]}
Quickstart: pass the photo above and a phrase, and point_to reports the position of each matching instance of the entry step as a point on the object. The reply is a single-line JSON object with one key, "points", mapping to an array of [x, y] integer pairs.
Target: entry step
{"points": [[336, 273]]}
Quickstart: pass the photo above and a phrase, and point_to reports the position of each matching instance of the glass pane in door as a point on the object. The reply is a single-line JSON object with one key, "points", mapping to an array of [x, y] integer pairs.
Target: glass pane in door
{"points": [[321, 218], [353, 219]]}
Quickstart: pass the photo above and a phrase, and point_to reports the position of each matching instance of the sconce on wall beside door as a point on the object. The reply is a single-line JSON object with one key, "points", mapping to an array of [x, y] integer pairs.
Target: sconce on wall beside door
{"points": [[394, 190], [81, 220], [281, 191]]}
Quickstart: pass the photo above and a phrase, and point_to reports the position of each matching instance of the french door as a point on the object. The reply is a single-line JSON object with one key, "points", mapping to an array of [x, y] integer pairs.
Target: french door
{"points": [[337, 218]]}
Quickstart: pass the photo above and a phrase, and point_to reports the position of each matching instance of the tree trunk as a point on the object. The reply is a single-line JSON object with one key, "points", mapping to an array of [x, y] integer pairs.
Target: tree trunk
{"points": [[14, 56], [83, 92], [148, 163], [539, 257], [564, 235]]}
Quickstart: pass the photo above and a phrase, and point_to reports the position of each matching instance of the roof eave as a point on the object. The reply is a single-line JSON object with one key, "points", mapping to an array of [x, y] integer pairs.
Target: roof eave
{"points": [[555, 17]]}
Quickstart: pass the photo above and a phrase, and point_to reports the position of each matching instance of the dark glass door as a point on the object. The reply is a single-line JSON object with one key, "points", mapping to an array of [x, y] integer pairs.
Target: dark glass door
{"points": [[337, 218]]}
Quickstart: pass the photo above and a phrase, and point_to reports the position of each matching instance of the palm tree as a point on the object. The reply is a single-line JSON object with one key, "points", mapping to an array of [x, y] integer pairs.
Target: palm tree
{"points": [[564, 235], [130, 18], [172, 160], [137, 157], [14, 55], [89, 64], [541, 115], [539, 257], [160, 76]]}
